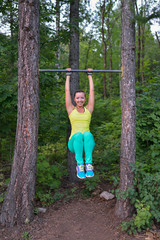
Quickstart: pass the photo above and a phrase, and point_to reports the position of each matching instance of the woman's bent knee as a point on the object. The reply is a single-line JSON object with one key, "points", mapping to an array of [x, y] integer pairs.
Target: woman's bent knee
{"points": [[76, 138]]}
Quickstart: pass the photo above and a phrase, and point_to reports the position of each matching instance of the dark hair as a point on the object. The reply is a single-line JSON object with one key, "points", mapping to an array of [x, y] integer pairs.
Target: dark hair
{"points": [[79, 91]]}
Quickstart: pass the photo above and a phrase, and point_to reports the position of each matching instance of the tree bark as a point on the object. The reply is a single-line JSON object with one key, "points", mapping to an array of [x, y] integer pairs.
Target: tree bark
{"points": [[109, 30], [139, 53], [139, 47], [104, 48], [57, 28], [18, 204], [142, 51], [110, 66], [143, 40], [89, 47], [12, 39], [128, 127], [158, 40], [74, 82]]}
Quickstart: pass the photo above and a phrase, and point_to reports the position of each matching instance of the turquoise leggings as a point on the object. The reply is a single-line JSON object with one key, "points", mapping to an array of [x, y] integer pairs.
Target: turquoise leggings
{"points": [[78, 143]]}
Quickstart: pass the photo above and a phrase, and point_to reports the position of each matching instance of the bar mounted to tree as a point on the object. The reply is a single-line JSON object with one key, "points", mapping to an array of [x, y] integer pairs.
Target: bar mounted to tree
{"points": [[79, 70]]}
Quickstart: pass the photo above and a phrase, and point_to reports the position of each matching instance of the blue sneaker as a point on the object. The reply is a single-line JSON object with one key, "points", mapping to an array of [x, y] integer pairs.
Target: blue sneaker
{"points": [[89, 170], [80, 171]]}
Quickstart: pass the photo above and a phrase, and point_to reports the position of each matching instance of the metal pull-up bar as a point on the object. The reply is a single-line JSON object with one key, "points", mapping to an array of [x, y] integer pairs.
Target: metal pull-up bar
{"points": [[79, 70]]}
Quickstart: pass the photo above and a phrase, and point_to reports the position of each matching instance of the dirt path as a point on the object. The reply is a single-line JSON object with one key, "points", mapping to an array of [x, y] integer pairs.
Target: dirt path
{"points": [[80, 219]]}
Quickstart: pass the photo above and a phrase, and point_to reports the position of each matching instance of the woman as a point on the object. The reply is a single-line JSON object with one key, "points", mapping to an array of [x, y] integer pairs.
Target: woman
{"points": [[80, 117]]}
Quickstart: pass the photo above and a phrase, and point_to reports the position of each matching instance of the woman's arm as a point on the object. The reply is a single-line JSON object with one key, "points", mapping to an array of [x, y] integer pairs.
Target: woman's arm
{"points": [[69, 105], [90, 105]]}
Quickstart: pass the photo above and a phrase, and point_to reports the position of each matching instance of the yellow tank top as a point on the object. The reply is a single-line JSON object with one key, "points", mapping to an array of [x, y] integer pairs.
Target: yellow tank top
{"points": [[80, 122]]}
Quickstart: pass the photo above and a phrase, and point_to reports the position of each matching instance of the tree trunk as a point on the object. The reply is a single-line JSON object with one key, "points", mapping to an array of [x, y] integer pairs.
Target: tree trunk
{"points": [[74, 64], [139, 48], [89, 47], [12, 39], [109, 30], [158, 40], [142, 51], [104, 48], [139, 53], [18, 204], [128, 127], [144, 7], [110, 66], [57, 29]]}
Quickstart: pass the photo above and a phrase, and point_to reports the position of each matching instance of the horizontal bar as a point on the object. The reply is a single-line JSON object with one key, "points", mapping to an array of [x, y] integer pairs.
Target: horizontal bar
{"points": [[79, 70]]}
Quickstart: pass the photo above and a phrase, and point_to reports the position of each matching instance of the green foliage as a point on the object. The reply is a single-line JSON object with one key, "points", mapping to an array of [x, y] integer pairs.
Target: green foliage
{"points": [[143, 219], [26, 235], [51, 168], [3, 183], [36, 211], [148, 127], [8, 82], [145, 196], [48, 176], [57, 196], [1, 179], [129, 227], [149, 191], [91, 183], [45, 197], [106, 128], [2, 195], [106, 119], [130, 192]]}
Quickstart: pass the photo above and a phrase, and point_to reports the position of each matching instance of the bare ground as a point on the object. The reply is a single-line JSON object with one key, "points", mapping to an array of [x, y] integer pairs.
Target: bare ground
{"points": [[79, 219]]}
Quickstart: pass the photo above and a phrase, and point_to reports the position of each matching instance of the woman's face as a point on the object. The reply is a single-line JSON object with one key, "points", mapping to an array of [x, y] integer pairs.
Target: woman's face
{"points": [[80, 99]]}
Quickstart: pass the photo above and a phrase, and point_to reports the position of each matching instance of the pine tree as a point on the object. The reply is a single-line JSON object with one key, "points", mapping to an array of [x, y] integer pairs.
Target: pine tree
{"points": [[128, 126], [18, 203], [74, 64]]}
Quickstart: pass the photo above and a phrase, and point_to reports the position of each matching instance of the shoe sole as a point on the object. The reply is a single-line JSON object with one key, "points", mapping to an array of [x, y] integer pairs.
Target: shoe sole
{"points": [[80, 178], [89, 176]]}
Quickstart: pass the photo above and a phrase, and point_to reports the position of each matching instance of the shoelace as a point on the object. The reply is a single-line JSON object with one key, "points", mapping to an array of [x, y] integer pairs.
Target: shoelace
{"points": [[89, 167], [81, 168]]}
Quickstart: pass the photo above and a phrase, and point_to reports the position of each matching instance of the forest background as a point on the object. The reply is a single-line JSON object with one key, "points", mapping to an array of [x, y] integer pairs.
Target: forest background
{"points": [[105, 33]]}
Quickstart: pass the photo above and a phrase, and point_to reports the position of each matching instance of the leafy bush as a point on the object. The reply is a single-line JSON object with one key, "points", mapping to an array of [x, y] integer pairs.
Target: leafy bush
{"points": [[91, 183], [145, 196], [148, 128], [51, 168], [107, 130], [26, 236]]}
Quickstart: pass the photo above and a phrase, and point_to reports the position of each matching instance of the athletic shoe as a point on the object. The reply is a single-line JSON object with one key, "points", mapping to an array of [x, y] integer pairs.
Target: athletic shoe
{"points": [[89, 170], [80, 171]]}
